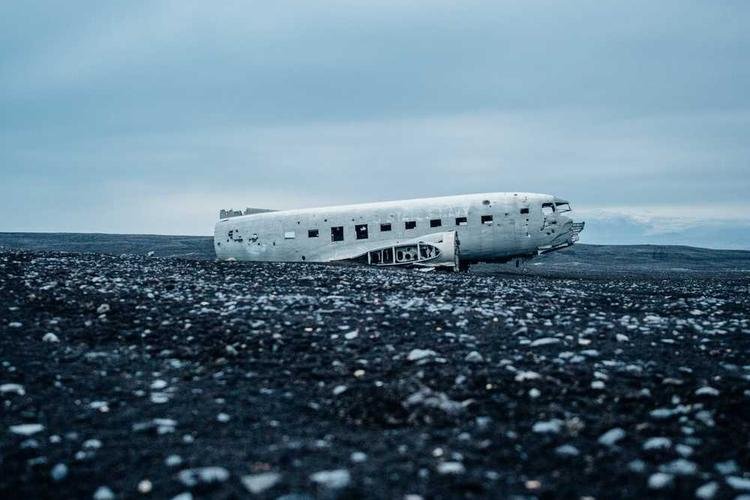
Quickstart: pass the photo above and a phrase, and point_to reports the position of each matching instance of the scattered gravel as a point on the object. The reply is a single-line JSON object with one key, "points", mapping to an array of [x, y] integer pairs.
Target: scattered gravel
{"points": [[183, 379]]}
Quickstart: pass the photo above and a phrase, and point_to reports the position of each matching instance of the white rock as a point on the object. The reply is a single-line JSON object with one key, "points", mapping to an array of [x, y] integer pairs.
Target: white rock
{"points": [[707, 391], [183, 496], [92, 444], [684, 450], [358, 457], [567, 450], [223, 418], [638, 466], [738, 483], [332, 479], [164, 425], [657, 443], [339, 389], [104, 308], [612, 436], [15, 388], [534, 393], [417, 354], [622, 338], [549, 427], [159, 398], [544, 341], [158, 384], [680, 467], [103, 493], [203, 475], [707, 491], [102, 406], [726, 468], [15, 324], [473, 357], [26, 429], [173, 461], [660, 480], [145, 486], [351, 335], [451, 468], [661, 413], [59, 472], [597, 384], [258, 483], [50, 337], [522, 376]]}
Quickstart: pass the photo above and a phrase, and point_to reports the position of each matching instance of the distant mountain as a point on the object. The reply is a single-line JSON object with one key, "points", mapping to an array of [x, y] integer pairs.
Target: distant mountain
{"points": [[579, 259]]}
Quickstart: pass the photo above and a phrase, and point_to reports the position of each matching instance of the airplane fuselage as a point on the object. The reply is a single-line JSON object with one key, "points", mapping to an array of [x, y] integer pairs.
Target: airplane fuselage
{"points": [[488, 227]]}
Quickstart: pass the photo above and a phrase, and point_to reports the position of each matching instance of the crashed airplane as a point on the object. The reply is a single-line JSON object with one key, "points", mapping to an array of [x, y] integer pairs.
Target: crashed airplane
{"points": [[450, 232]]}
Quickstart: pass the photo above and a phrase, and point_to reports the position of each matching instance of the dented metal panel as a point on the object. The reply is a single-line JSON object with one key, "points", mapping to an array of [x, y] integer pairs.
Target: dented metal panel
{"points": [[491, 227]]}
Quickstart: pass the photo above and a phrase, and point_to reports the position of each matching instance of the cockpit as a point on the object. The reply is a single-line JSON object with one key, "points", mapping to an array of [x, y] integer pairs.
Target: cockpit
{"points": [[562, 206], [559, 228]]}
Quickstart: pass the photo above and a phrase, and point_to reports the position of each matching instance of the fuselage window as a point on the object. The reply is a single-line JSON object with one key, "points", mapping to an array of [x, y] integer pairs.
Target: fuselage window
{"points": [[548, 208], [312, 233], [486, 219], [563, 207], [361, 231], [410, 224], [385, 227], [337, 233], [289, 235], [461, 221], [524, 210], [436, 223]]}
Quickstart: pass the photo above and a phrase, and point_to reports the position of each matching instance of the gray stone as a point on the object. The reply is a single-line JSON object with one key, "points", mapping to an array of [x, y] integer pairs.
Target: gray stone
{"points": [[203, 475], [660, 480], [59, 472], [258, 483], [612, 436], [103, 493], [332, 479]]}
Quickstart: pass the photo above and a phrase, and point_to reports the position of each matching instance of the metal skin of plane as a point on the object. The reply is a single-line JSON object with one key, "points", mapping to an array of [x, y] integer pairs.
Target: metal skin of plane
{"points": [[450, 232]]}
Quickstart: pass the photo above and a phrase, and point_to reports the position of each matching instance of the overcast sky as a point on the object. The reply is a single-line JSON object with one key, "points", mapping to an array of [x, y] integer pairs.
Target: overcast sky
{"points": [[149, 117]]}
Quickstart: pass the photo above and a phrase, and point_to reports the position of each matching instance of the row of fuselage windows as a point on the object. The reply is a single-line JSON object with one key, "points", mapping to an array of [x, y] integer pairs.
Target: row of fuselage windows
{"points": [[362, 231]]}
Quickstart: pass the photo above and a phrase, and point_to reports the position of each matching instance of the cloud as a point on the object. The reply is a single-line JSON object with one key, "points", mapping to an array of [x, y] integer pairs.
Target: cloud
{"points": [[185, 107]]}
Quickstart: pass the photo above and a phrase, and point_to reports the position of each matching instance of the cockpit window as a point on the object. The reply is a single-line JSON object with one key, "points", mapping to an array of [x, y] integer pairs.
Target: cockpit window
{"points": [[548, 208], [563, 207]]}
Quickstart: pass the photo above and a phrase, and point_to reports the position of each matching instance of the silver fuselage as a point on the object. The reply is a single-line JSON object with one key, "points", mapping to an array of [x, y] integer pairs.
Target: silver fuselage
{"points": [[497, 228]]}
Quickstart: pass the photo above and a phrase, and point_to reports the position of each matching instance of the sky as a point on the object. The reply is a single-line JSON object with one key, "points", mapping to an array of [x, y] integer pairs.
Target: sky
{"points": [[148, 117]]}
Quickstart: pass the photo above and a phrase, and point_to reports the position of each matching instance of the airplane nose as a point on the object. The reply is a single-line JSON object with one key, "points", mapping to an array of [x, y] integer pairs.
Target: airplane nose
{"points": [[575, 230], [568, 233]]}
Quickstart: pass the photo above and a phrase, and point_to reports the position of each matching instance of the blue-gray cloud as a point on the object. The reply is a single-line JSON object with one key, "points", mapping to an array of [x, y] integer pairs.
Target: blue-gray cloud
{"points": [[115, 111]]}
